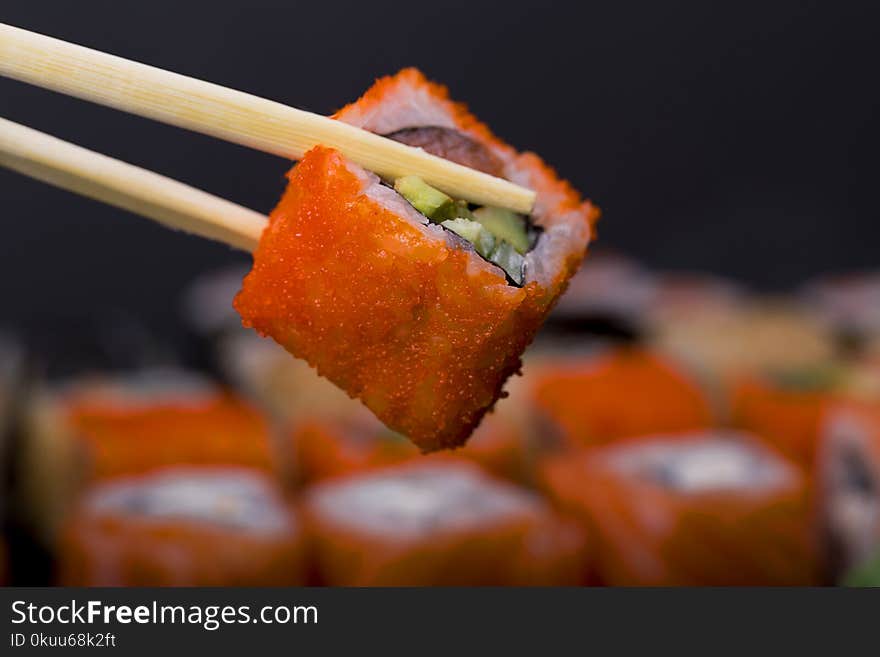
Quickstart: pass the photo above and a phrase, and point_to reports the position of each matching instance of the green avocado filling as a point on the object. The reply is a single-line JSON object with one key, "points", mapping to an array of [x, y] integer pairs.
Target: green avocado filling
{"points": [[819, 378], [498, 235]]}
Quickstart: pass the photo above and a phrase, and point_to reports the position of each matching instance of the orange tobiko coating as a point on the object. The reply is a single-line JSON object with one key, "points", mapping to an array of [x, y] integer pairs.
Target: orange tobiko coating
{"points": [[393, 311], [789, 420], [625, 393], [645, 532], [216, 430], [392, 315]]}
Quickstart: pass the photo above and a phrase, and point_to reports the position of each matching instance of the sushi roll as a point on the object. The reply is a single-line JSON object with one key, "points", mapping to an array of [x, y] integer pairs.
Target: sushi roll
{"points": [[100, 426], [788, 407], [851, 304], [848, 481], [286, 388], [613, 394], [208, 316], [413, 302], [606, 298], [183, 526], [677, 297], [867, 574], [704, 508], [440, 522], [724, 343], [329, 446], [326, 447]]}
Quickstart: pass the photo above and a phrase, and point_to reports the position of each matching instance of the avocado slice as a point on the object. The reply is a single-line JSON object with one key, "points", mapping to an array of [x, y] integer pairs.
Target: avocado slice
{"points": [[819, 378], [473, 232], [505, 225], [428, 200]]}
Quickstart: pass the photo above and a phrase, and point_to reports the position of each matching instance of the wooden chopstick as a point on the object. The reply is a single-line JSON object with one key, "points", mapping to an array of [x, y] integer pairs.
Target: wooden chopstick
{"points": [[234, 116], [143, 192]]}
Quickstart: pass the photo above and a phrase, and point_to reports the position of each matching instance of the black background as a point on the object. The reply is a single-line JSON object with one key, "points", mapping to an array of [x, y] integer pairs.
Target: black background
{"points": [[737, 139]]}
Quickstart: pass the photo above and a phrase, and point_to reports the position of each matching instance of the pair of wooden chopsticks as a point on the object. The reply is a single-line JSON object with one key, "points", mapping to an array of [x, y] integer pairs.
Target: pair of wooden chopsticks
{"points": [[203, 107]]}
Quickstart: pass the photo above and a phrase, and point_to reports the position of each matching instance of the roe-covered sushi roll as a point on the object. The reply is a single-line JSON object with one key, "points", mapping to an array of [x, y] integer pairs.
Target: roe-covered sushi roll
{"points": [[616, 393], [788, 407], [722, 342], [607, 298], [851, 304], [328, 446], [848, 481], [183, 526], [441, 522], [713, 508], [418, 304], [101, 426], [286, 388]]}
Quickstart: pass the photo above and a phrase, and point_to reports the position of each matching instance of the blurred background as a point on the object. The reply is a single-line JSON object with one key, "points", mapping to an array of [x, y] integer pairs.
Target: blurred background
{"points": [[701, 408]]}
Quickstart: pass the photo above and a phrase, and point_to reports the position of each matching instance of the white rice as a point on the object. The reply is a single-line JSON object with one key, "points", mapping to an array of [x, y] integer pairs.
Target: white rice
{"points": [[418, 501], [230, 498]]}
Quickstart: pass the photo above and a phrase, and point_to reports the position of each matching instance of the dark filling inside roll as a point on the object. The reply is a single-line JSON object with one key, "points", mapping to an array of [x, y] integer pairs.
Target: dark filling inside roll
{"points": [[857, 476], [853, 502], [499, 236]]}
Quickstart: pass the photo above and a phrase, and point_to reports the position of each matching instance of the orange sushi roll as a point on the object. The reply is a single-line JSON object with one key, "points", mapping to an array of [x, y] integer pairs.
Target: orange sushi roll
{"points": [[415, 303], [787, 416], [787, 408], [438, 522], [607, 297], [617, 393], [330, 446], [206, 526], [848, 482], [851, 304], [131, 428], [696, 509], [286, 388], [723, 340], [103, 426]]}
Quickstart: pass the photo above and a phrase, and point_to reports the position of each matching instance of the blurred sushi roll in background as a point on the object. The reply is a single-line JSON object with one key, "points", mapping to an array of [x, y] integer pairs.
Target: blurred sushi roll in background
{"points": [[722, 343], [615, 393], [442, 522], [848, 483], [99, 426], [677, 297], [705, 508], [194, 526], [850, 303], [787, 408], [331, 446], [607, 298], [326, 447], [286, 388], [208, 316]]}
